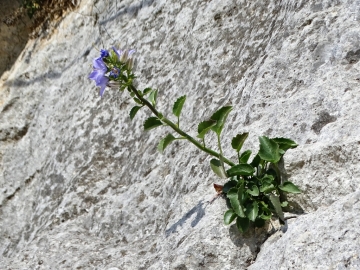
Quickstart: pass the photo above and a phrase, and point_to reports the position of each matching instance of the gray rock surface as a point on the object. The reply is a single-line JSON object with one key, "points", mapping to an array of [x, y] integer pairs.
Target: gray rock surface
{"points": [[328, 238], [83, 187]]}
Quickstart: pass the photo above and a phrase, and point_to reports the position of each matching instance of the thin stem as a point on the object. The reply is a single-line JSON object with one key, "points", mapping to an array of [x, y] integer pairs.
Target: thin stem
{"points": [[238, 153], [221, 153], [179, 131]]}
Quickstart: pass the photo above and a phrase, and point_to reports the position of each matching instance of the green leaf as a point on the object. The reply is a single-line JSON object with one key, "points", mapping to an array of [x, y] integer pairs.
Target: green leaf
{"points": [[238, 141], [152, 122], [269, 150], [204, 127], [267, 188], [178, 105], [241, 169], [133, 111], [165, 142], [254, 191], [266, 215], [242, 224], [244, 157], [285, 144], [228, 185], [229, 216], [268, 178], [243, 195], [153, 96], [233, 195], [277, 206], [267, 184], [220, 117], [138, 101], [147, 90], [289, 187], [265, 211], [273, 174], [256, 161], [252, 211], [215, 165]]}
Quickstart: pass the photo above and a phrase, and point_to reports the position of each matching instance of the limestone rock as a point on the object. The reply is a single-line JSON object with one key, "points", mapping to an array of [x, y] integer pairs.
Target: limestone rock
{"points": [[328, 238], [82, 186]]}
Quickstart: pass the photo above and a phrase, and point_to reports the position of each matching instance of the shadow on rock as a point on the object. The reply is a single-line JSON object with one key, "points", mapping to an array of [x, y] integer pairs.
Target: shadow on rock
{"points": [[253, 238], [198, 209]]}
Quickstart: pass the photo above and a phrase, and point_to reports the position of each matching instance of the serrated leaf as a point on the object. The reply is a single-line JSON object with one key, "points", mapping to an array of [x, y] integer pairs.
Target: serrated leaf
{"points": [[153, 96], [238, 141], [277, 206], [215, 165], [220, 117], [254, 191], [234, 201], [285, 144], [152, 122], [252, 211], [244, 157], [229, 216], [178, 106], [241, 169], [289, 187], [204, 127], [133, 111], [269, 150], [242, 224], [165, 142]]}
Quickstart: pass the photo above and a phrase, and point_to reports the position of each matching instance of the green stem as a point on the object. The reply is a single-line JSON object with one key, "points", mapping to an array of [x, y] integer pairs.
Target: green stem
{"points": [[179, 131], [221, 153]]}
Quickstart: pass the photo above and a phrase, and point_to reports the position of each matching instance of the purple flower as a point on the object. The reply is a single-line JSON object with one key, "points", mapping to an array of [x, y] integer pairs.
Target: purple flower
{"points": [[98, 74], [115, 72], [104, 53]]}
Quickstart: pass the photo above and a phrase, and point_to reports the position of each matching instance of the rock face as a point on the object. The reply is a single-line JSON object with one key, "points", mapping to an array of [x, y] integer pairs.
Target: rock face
{"points": [[83, 187], [326, 238]]}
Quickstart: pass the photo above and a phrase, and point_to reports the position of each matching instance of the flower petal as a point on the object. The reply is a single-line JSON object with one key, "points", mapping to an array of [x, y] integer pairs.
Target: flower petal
{"points": [[102, 90], [99, 64], [132, 51], [118, 52], [101, 80], [104, 53], [93, 75]]}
